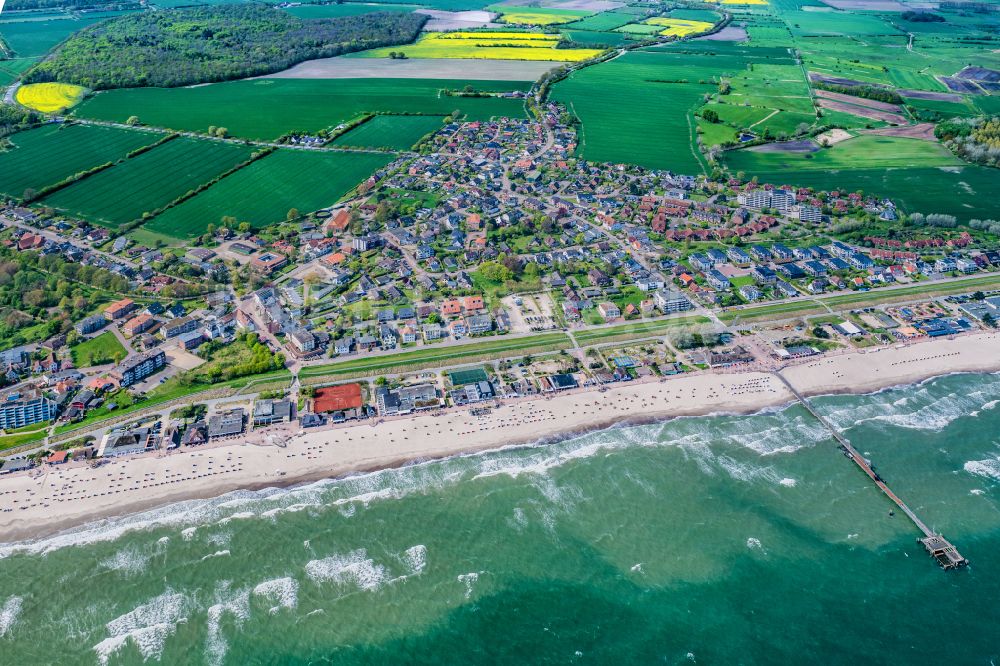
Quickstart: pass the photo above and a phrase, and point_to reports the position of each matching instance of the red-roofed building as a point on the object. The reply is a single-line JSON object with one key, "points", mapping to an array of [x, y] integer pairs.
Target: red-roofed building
{"points": [[339, 222]]}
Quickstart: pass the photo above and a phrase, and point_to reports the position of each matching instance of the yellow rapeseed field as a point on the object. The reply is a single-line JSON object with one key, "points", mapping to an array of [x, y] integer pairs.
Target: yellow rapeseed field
{"points": [[49, 97], [542, 16], [679, 27], [486, 46]]}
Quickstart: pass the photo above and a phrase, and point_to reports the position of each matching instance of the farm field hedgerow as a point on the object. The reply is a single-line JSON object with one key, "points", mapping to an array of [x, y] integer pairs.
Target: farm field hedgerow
{"points": [[491, 45], [267, 108], [398, 132], [264, 191], [148, 181], [49, 97], [49, 154]]}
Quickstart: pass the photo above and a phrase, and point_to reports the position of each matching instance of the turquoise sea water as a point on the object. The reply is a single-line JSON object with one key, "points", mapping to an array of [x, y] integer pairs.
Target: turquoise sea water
{"points": [[716, 540]]}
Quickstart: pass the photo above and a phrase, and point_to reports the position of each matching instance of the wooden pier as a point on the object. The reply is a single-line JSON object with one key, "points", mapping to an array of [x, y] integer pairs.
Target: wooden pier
{"points": [[943, 552]]}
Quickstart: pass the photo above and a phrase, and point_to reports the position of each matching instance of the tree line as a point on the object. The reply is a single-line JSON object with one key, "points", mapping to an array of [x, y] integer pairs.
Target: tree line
{"points": [[208, 44], [975, 140]]}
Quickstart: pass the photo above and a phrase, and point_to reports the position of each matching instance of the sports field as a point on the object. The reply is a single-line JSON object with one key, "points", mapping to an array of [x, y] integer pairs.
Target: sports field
{"points": [[264, 191], [49, 154], [492, 45], [267, 108], [395, 132], [49, 97], [146, 182]]}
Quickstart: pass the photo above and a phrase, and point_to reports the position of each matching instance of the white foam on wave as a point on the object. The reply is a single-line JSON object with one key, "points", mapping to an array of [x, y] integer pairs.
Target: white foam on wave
{"points": [[788, 483], [218, 553], [416, 559], [927, 406], [283, 591], [130, 560], [9, 613], [977, 491], [754, 543], [235, 604], [188, 533], [988, 468], [353, 569], [147, 626], [469, 580]]}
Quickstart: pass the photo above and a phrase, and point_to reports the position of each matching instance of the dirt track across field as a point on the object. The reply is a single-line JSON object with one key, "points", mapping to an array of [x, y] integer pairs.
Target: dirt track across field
{"points": [[423, 68]]}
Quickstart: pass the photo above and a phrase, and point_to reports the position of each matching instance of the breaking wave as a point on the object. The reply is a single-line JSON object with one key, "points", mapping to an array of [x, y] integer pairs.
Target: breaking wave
{"points": [[9, 613], [147, 627]]}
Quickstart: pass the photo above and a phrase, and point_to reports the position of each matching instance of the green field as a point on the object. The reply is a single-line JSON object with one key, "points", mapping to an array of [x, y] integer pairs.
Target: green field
{"points": [[11, 69], [344, 9], [440, 355], [862, 152], [394, 132], [627, 117], [601, 22], [302, 179], [144, 183], [98, 350], [266, 109], [36, 38], [596, 38], [966, 192], [49, 154]]}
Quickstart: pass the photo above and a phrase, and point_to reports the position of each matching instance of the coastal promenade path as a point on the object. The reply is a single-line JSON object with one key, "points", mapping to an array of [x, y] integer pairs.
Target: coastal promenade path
{"points": [[937, 546]]}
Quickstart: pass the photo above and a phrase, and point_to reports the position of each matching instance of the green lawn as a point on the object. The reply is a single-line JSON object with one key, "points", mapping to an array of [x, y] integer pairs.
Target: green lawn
{"points": [[790, 309], [267, 108], [638, 329], [98, 350], [439, 355], [302, 179]]}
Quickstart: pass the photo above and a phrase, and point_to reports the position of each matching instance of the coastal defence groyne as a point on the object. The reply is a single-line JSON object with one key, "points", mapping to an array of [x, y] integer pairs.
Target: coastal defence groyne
{"points": [[939, 548]]}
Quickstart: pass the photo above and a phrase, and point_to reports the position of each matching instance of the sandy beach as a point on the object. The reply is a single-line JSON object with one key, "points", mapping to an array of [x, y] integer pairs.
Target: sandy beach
{"points": [[51, 499]]}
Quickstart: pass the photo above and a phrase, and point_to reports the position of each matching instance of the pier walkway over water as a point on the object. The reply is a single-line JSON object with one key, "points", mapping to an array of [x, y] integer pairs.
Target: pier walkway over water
{"points": [[937, 546]]}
